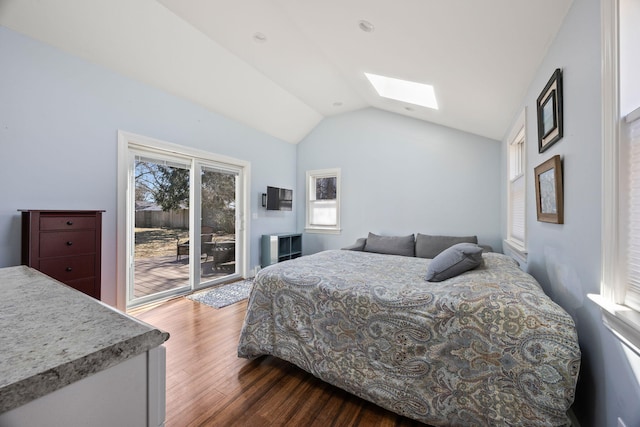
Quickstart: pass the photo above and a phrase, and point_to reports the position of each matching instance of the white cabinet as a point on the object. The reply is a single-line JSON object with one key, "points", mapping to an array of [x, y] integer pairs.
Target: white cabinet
{"points": [[131, 393], [74, 361]]}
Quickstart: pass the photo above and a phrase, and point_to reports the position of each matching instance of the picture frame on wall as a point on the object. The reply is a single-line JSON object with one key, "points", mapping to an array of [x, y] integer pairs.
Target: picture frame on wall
{"points": [[549, 191], [549, 108]]}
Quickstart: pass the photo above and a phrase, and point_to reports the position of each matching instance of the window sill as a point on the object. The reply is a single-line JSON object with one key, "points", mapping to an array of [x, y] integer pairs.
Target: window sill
{"points": [[622, 321], [318, 230], [518, 250]]}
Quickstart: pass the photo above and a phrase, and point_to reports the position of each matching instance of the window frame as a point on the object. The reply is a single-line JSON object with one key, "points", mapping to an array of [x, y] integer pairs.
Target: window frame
{"points": [[128, 143], [311, 176], [517, 136], [623, 321]]}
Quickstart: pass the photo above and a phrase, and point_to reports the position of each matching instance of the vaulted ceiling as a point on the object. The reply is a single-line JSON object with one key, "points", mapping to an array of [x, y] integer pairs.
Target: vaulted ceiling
{"points": [[281, 66]]}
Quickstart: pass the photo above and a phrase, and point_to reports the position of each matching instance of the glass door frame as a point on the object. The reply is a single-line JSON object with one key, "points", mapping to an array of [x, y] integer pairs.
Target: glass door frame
{"points": [[182, 161], [195, 216], [128, 143]]}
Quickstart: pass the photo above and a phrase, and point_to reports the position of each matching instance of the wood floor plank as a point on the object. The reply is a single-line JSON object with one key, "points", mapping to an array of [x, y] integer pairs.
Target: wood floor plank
{"points": [[208, 385]]}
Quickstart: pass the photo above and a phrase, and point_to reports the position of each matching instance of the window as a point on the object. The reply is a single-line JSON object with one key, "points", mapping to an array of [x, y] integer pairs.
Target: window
{"points": [[323, 201], [631, 222], [404, 90], [516, 238], [620, 284]]}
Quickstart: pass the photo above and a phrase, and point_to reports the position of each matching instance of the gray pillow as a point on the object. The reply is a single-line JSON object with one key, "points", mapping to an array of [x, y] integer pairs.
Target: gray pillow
{"points": [[357, 246], [430, 246], [453, 261], [391, 245]]}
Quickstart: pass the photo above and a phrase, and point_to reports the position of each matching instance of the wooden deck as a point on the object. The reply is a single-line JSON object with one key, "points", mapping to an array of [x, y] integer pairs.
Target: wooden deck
{"points": [[158, 274]]}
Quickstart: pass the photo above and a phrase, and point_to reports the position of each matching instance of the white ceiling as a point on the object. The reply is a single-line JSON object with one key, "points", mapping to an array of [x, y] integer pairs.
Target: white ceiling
{"points": [[479, 55]]}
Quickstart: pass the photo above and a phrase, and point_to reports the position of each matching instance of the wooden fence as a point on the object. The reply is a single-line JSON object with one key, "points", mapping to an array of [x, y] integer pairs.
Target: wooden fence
{"points": [[170, 219]]}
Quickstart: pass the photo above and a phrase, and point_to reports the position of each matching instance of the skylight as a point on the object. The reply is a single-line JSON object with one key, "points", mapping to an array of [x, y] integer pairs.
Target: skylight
{"points": [[404, 90]]}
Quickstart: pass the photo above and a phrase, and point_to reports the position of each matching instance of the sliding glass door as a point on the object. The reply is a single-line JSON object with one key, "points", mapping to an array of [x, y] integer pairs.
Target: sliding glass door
{"points": [[184, 227], [219, 229], [160, 226]]}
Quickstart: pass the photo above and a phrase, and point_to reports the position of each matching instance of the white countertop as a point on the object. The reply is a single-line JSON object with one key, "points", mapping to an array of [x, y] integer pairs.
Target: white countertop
{"points": [[52, 335]]}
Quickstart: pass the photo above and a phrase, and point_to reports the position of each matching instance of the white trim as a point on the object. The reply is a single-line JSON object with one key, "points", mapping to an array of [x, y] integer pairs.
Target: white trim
{"points": [[121, 221], [322, 173], [611, 287], [519, 127], [621, 320], [517, 247], [517, 133], [318, 230], [159, 146], [515, 251], [633, 116], [129, 141], [515, 178], [157, 386]]}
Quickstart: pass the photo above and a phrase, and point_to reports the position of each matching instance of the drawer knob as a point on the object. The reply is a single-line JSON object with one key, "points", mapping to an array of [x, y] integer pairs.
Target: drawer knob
{"points": [[69, 243], [69, 222], [69, 269]]}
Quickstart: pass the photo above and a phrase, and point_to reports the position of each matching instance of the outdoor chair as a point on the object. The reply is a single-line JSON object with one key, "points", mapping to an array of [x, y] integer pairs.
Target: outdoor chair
{"points": [[182, 248], [224, 255], [205, 247]]}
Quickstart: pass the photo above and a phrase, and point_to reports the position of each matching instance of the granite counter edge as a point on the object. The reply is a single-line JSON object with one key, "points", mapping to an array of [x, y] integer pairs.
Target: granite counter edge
{"points": [[24, 391]]}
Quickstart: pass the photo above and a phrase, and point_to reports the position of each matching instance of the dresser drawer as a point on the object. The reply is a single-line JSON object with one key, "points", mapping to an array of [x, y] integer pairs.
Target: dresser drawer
{"points": [[69, 268], [65, 243], [66, 222], [89, 286]]}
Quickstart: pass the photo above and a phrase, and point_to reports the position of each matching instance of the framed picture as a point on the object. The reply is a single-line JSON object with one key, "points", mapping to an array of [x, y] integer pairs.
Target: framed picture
{"points": [[549, 196], [549, 107]]}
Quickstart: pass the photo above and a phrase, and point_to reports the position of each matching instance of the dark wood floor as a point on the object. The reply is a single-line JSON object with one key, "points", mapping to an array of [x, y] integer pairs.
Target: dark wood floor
{"points": [[208, 385]]}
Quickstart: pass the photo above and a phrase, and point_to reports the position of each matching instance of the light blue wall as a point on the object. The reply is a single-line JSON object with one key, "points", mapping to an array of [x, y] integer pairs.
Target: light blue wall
{"points": [[58, 121], [403, 176], [565, 259], [59, 117]]}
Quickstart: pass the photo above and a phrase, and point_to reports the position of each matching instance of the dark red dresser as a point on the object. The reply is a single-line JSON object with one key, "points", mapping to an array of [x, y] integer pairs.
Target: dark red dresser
{"points": [[65, 245]]}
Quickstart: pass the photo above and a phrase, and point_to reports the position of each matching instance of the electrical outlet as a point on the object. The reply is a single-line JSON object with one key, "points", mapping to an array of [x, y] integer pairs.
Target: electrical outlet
{"points": [[621, 423]]}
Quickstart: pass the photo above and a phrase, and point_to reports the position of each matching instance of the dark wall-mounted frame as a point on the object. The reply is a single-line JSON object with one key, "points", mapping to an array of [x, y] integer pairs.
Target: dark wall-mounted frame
{"points": [[549, 193], [549, 108]]}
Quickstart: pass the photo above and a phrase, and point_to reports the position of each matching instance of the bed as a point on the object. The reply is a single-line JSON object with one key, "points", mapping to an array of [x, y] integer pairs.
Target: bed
{"points": [[486, 347]]}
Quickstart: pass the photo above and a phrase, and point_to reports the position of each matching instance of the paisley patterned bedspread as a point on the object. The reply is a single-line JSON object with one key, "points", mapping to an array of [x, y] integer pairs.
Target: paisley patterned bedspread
{"points": [[487, 347]]}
